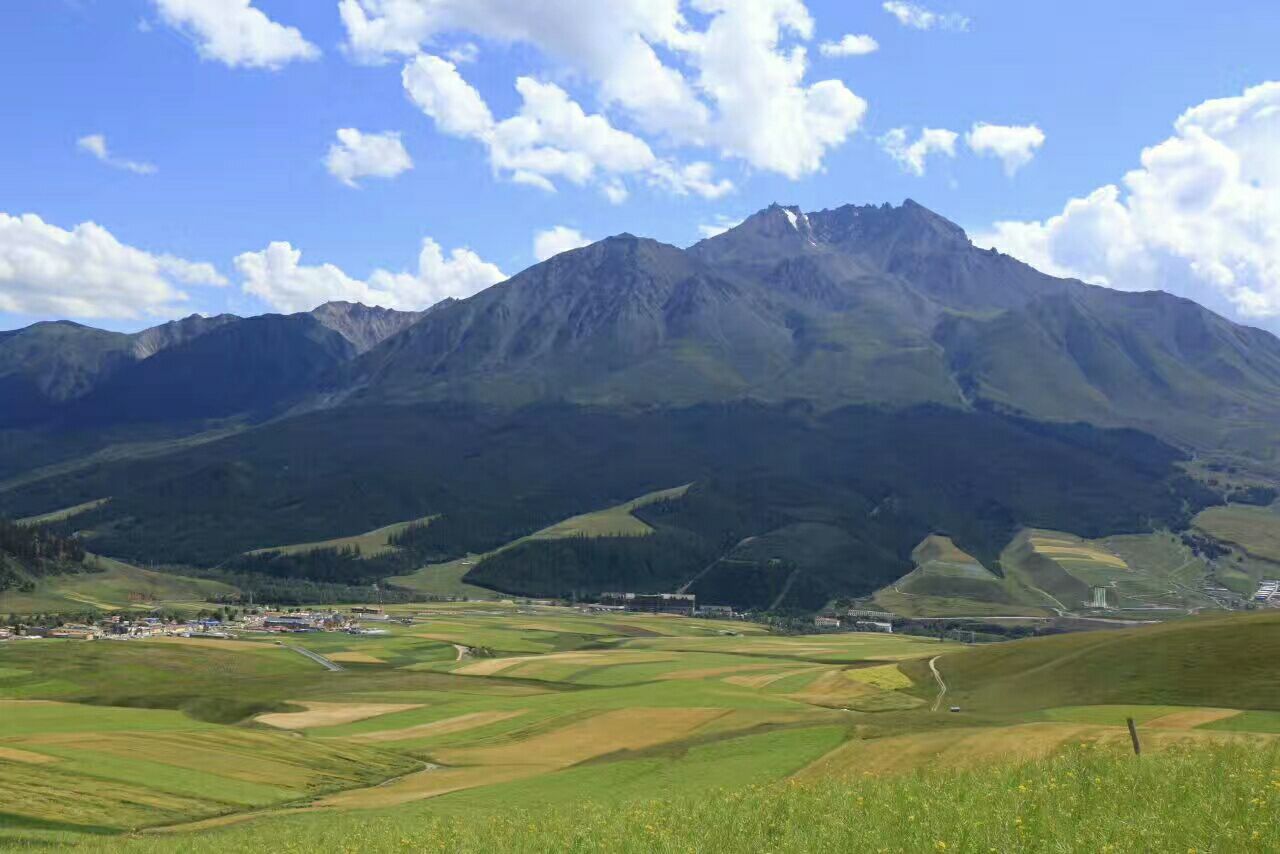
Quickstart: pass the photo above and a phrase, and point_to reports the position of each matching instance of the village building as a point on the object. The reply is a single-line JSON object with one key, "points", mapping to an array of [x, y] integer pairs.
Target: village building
{"points": [[653, 603]]}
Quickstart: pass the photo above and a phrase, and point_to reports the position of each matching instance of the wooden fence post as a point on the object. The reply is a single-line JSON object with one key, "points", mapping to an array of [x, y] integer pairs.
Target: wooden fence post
{"points": [[1133, 734]]}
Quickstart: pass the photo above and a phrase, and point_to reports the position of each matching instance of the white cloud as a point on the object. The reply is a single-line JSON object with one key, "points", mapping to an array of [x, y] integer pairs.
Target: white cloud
{"points": [[850, 45], [765, 114], [374, 155], [462, 54], [1014, 145], [719, 226], [737, 85], [919, 18], [236, 34], [912, 156], [96, 144], [550, 138], [435, 85], [1200, 217], [276, 276], [87, 273], [553, 241], [611, 41]]}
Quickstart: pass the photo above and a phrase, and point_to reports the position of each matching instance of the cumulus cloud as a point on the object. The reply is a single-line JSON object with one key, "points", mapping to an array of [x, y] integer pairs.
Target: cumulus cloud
{"points": [[913, 156], [87, 273], [1013, 145], [850, 45], [765, 114], [553, 241], [366, 155], [277, 277], [550, 138], [611, 41], [235, 33], [918, 17], [1199, 217], [736, 85], [96, 144]]}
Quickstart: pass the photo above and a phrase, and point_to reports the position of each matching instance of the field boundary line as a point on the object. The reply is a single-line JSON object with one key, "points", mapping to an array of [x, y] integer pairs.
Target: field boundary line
{"points": [[318, 658]]}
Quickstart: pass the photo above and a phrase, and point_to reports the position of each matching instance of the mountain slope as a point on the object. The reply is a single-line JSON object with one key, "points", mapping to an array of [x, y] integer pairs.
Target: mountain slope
{"points": [[885, 305], [246, 367], [46, 364], [364, 326]]}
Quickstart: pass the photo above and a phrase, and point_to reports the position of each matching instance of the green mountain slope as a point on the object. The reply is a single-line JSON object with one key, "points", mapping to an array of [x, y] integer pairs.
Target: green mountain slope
{"points": [[886, 305], [1206, 661]]}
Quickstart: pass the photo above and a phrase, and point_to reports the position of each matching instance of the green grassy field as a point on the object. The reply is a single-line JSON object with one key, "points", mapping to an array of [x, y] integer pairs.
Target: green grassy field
{"points": [[1049, 571], [370, 543], [64, 513], [1254, 529], [445, 579], [1202, 661], [1138, 572], [477, 715], [947, 582], [117, 586], [1087, 800]]}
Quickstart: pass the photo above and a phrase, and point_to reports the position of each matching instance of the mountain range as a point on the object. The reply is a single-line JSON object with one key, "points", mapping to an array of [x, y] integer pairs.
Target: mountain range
{"points": [[871, 318]]}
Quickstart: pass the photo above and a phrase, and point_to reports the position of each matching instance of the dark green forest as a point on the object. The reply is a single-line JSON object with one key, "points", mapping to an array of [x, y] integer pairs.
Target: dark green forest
{"points": [[29, 552], [787, 499]]}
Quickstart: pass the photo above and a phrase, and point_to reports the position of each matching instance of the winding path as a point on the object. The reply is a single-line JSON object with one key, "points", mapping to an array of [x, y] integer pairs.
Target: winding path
{"points": [[942, 686]]}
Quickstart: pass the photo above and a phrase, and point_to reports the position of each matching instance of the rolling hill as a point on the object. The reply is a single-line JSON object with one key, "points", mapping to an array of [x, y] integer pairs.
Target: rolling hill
{"points": [[1212, 661]]}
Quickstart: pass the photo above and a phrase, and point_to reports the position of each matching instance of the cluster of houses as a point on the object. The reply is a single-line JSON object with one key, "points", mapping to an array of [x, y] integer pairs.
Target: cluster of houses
{"points": [[118, 627], [852, 624], [651, 603]]}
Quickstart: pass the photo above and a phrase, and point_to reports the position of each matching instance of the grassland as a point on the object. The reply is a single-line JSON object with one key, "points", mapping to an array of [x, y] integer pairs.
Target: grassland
{"points": [[1254, 529], [445, 579], [1254, 534], [948, 582], [1203, 661], [1046, 572], [369, 544], [114, 586], [64, 513], [1142, 572], [476, 715], [1090, 799]]}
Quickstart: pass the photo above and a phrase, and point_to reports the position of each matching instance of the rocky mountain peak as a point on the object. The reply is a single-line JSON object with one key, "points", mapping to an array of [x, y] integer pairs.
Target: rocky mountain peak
{"points": [[363, 325]]}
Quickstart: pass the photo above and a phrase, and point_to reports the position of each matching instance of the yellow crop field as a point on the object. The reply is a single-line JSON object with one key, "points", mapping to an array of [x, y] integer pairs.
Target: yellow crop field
{"points": [[1074, 550], [331, 714]]}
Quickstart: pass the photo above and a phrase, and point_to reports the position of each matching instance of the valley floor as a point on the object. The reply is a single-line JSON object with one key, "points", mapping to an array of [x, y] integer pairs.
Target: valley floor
{"points": [[478, 712]]}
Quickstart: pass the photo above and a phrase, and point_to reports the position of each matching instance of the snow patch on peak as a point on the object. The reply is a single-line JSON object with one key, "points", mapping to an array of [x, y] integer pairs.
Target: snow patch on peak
{"points": [[791, 217]]}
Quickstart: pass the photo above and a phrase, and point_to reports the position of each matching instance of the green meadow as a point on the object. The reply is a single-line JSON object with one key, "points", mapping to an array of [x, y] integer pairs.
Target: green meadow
{"points": [[499, 726]]}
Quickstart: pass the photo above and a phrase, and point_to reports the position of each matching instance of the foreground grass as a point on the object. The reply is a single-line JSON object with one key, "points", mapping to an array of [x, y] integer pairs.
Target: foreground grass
{"points": [[1203, 800]]}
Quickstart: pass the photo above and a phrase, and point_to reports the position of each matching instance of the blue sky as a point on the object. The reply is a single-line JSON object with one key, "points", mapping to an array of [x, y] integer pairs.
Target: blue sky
{"points": [[181, 144]]}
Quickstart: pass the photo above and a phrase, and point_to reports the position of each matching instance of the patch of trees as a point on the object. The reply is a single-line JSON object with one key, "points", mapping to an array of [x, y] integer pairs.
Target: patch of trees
{"points": [[584, 567], [334, 566], [1260, 496], [29, 552], [467, 530], [1203, 546]]}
